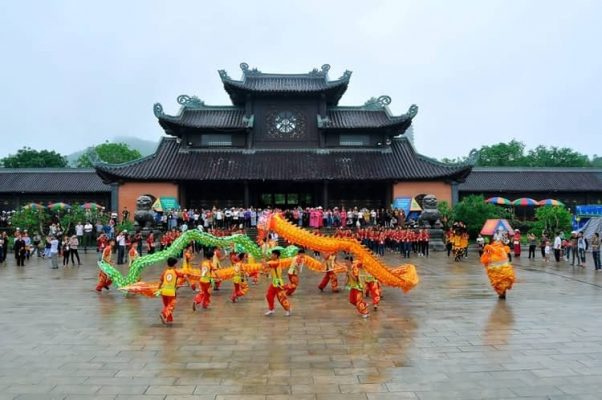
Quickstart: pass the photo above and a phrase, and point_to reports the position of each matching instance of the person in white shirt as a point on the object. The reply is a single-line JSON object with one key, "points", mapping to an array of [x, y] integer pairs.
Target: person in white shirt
{"points": [[88, 229], [557, 247], [121, 239], [54, 252], [79, 232]]}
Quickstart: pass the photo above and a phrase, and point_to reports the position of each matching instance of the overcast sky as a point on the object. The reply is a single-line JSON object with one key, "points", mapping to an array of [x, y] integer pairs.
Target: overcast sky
{"points": [[75, 73]]}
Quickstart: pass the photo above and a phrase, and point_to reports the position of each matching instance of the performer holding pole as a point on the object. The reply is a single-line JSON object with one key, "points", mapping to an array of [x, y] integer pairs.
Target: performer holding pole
{"points": [[276, 288], [204, 296], [354, 284], [103, 279], [167, 290], [293, 272], [329, 263]]}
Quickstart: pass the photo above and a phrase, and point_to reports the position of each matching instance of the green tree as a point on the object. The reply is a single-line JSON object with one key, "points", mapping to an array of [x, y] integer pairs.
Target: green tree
{"points": [[543, 156], [30, 158], [111, 153], [502, 155], [596, 161], [447, 218], [551, 220], [474, 211], [30, 219]]}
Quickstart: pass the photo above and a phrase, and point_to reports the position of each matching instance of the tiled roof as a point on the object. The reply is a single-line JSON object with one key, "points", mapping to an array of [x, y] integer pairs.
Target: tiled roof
{"points": [[299, 84], [532, 180], [315, 81], [224, 118], [396, 162], [365, 117], [51, 180]]}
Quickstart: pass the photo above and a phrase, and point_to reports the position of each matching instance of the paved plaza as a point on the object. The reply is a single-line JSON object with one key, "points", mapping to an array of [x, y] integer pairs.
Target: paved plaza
{"points": [[449, 338]]}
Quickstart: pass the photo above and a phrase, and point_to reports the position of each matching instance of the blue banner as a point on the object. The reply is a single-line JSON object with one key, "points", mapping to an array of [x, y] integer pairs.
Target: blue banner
{"points": [[402, 203]]}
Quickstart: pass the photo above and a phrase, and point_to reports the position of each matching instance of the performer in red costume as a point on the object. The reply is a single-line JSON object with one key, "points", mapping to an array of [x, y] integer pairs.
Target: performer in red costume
{"points": [[276, 288], [293, 272], [354, 284], [516, 243], [103, 279], [330, 275], [204, 296], [372, 286], [216, 264], [238, 278], [167, 290]]}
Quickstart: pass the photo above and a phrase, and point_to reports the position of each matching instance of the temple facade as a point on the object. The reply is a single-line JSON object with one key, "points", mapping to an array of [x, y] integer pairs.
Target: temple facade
{"points": [[283, 142]]}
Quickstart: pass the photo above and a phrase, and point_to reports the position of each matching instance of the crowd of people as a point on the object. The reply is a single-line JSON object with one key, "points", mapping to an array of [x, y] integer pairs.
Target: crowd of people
{"points": [[381, 230]]}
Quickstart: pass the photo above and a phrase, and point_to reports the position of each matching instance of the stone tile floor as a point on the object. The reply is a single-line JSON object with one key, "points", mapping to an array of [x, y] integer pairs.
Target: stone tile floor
{"points": [[450, 338]]}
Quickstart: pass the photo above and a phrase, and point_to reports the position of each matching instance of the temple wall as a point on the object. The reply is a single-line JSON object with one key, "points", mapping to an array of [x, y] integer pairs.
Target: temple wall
{"points": [[442, 190], [130, 191]]}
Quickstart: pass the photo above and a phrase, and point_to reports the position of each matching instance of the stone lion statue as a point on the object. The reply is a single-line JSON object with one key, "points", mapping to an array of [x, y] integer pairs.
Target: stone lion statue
{"points": [[430, 216], [144, 216]]}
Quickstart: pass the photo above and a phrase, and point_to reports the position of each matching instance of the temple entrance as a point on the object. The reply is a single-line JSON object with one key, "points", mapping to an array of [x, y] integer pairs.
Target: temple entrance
{"points": [[282, 194]]}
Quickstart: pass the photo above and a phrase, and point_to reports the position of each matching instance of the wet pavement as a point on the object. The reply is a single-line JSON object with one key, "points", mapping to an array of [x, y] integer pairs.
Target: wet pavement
{"points": [[450, 338]]}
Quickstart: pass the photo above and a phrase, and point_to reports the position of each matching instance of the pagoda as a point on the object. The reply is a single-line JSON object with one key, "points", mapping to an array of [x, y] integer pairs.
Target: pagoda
{"points": [[283, 142]]}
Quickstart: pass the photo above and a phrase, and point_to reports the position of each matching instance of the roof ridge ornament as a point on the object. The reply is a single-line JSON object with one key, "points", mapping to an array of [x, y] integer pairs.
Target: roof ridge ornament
{"points": [[158, 110], [346, 75], [412, 111], [223, 74], [378, 103], [190, 101], [246, 71]]}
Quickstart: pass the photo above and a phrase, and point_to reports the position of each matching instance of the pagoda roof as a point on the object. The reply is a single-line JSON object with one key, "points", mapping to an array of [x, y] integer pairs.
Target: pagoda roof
{"points": [[397, 161], [256, 82], [51, 180], [373, 114], [532, 179], [194, 113]]}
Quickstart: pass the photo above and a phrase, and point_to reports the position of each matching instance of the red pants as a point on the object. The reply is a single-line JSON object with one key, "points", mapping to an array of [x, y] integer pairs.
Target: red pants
{"points": [[103, 281], [332, 277], [216, 284], [357, 299], [204, 296], [277, 292], [169, 303], [237, 292], [373, 289], [292, 285], [255, 277]]}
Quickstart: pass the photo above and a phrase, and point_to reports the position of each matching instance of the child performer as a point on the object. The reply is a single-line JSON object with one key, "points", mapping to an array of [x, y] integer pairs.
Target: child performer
{"points": [[330, 274], [499, 270], [167, 290], [238, 278], [372, 286], [293, 272], [217, 264], [254, 276], [354, 284], [276, 288], [133, 253], [187, 266], [204, 296], [103, 279]]}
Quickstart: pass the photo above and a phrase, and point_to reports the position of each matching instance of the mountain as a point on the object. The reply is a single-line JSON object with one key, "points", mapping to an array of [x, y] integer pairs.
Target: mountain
{"points": [[145, 147]]}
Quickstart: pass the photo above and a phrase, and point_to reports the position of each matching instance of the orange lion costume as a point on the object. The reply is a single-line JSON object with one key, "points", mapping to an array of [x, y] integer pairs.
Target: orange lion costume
{"points": [[499, 270]]}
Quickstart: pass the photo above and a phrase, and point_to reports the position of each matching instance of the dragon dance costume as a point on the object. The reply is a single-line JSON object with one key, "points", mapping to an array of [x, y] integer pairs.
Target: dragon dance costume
{"points": [[499, 270]]}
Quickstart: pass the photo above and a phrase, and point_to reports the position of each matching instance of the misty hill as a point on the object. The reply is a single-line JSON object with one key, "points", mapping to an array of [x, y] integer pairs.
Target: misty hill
{"points": [[145, 147]]}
